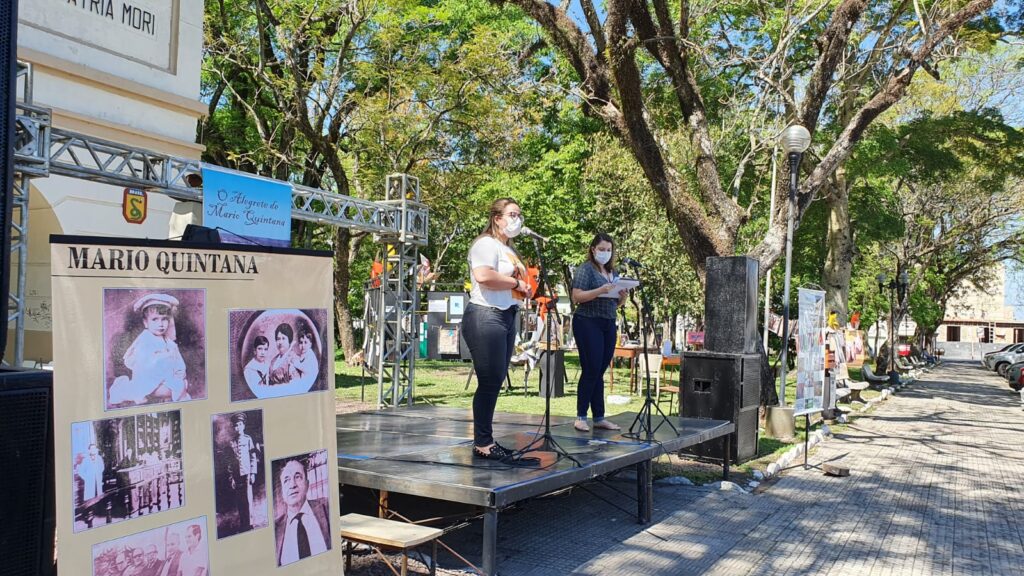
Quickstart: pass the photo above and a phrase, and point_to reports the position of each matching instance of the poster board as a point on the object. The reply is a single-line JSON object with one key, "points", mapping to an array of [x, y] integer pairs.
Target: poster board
{"points": [[856, 348], [810, 359], [195, 412]]}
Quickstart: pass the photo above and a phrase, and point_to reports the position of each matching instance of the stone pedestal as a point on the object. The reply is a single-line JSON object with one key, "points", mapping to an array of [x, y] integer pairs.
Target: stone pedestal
{"points": [[779, 422]]}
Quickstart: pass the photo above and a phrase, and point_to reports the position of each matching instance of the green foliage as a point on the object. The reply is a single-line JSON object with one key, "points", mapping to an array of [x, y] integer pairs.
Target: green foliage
{"points": [[642, 230], [924, 309]]}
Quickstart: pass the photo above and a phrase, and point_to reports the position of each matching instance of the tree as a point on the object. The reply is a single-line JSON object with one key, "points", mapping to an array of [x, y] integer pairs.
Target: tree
{"points": [[644, 71], [338, 94], [976, 74], [279, 75], [954, 182], [641, 230]]}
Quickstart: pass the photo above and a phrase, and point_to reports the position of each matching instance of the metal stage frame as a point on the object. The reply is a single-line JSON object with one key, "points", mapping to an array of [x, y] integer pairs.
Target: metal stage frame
{"points": [[400, 222], [426, 451]]}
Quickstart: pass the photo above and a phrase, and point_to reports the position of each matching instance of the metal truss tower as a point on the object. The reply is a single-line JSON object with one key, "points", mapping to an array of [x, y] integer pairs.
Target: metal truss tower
{"points": [[392, 306]]}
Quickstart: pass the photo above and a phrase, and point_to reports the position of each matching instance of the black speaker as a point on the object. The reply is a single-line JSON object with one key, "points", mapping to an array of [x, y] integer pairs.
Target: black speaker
{"points": [[202, 234], [26, 482], [8, 95], [723, 387], [730, 306], [557, 373]]}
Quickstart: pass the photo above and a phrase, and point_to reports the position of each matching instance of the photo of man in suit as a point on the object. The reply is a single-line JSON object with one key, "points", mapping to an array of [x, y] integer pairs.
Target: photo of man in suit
{"points": [[301, 524]]}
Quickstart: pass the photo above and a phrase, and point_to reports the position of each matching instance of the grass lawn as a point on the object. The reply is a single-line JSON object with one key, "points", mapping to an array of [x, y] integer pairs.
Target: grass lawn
{"points": [[443, 383]]}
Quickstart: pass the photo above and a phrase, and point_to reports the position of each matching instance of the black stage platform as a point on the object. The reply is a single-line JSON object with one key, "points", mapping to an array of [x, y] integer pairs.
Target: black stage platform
{"points": [[427, 451]]}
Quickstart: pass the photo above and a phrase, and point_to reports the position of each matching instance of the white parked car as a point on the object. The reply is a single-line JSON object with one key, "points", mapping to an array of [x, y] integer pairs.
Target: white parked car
{"points": [[993, 359]]}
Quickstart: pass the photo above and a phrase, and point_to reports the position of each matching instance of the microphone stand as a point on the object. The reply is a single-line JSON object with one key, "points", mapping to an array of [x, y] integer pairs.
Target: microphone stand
{"points": [[642, 428], [546, 442]]}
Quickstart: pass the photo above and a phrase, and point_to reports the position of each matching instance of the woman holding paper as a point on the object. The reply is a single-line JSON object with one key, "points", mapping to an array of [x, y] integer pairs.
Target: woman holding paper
{"points": [[597, 295]]}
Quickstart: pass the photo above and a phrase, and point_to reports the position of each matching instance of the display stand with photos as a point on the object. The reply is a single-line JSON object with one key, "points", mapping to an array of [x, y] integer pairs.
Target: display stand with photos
{"points": [[194, 421]]}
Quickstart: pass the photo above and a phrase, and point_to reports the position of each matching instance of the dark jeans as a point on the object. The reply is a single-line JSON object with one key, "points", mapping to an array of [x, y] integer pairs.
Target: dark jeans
{"points": [[595, 339], [490, 334]]}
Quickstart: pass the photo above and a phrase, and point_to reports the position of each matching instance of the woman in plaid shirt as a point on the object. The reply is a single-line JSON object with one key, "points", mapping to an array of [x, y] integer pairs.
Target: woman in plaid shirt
{"points": [[593, 326]]}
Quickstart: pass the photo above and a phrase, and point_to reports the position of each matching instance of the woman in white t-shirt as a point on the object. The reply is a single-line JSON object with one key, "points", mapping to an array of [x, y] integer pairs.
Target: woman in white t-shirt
{"points": [[489, 321]]}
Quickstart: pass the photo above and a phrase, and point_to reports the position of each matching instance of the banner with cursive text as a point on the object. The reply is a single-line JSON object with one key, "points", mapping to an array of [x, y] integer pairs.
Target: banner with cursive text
{"points": [[247, 209]]}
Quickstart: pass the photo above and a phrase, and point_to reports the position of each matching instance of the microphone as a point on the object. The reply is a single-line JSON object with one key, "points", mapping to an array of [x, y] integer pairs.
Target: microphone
{"points": [[631, 262], [526, 231]]}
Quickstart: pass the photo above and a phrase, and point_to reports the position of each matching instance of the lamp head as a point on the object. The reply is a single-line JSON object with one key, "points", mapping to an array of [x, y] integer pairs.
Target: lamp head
{"points": [[796, 138], [904, 278], [881, 278]]}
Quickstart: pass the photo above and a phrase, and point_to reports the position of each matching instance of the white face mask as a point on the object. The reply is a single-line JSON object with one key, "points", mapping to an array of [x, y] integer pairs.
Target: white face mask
{"points": [[513, 227], [602, 256]]}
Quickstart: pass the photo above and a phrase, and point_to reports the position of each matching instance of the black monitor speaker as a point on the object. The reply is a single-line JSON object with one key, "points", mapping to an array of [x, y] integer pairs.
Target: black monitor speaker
{"points": [[27, 476], [730, 305], [200, 234], [557, 361], [723, 387]]}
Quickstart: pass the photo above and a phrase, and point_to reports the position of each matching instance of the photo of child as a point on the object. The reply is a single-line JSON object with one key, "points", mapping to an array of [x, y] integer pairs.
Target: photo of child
{"points": [[154, 348], [277, 353]]}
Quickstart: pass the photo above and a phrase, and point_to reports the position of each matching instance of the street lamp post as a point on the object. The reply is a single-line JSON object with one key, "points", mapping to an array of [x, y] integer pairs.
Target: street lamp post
{"points": [[795, 141], [897, 287]]}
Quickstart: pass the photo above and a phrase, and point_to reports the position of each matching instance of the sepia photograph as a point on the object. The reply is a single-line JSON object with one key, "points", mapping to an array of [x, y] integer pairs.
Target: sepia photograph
{"points": [[278, 352], [180, 549], [126, 467], [302, 507], [154, 346], [240, 482]]}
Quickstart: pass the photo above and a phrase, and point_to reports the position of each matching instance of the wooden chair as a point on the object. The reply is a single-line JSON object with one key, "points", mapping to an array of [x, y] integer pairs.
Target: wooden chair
{"points": [[379, 533], [669, 389]]}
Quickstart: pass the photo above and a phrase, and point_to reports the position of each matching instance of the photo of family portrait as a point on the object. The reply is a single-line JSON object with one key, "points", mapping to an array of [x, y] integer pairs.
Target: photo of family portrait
{"points": [[302, 507], [277, 352], [177, 550], [126, 467], [154, 346], [240, 482]]}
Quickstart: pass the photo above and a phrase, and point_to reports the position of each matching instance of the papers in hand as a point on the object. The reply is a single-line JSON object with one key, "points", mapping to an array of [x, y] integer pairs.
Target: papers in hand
{"points": [[620, 285]]}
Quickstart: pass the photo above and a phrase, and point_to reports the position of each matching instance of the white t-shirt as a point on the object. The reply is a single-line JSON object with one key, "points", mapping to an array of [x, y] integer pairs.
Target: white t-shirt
{"points": [[488, 252]]}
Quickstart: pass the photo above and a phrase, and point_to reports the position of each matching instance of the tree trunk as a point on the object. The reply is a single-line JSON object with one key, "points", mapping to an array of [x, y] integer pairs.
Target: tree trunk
{"points": [[839, 261], [342, 279]]}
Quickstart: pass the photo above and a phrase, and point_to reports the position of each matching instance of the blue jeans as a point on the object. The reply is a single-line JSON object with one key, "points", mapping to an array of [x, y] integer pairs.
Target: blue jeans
{"points": [[595, 339], [490, 335]]}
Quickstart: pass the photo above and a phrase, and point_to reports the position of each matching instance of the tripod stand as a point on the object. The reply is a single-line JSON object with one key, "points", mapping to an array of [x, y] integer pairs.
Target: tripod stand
{"points": [[641, 428], [546, 442]]}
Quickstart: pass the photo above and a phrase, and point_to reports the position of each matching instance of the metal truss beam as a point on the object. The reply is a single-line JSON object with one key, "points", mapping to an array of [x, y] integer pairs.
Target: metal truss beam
{"points": [[41, 150]]}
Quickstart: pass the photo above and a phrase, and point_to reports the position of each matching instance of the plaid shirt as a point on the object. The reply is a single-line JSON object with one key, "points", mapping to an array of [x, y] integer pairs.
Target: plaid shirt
{"points": [[587, 277]]}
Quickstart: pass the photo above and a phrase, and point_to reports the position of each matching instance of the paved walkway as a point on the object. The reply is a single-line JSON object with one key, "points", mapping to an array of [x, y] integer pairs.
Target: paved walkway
{"points": [[936, 487]]}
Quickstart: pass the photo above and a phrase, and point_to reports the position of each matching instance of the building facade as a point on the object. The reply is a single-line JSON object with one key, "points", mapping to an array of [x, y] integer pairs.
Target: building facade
{"points": [[126, 71], [979, 321]]}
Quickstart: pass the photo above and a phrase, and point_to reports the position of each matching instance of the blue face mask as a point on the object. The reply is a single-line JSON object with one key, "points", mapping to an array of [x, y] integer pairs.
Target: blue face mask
{"points": [[602, 256]]}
